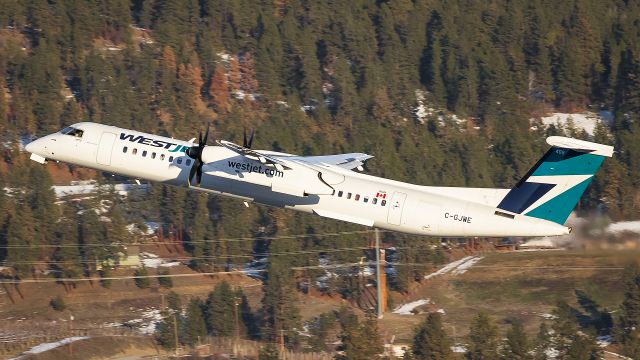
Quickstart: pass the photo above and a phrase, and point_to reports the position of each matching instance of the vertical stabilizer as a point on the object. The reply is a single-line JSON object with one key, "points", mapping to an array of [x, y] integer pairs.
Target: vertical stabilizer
{"points": [[552, 188]]}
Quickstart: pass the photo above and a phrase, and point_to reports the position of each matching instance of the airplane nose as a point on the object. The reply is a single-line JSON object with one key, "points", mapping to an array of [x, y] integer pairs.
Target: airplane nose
{"points": [[35, 146], [31, 147]]}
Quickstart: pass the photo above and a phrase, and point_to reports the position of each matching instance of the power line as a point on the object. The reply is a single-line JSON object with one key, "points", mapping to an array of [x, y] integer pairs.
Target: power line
{"points": [[253, 255], [223, 240], [50, 280]]}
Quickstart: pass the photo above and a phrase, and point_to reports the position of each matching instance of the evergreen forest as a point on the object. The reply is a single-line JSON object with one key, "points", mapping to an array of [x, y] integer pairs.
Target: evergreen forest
{"points": [[445, 93]]}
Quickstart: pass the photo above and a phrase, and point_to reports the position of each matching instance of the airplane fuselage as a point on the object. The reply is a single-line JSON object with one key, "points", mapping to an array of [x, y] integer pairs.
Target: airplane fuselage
{"points": [[325, 190]]}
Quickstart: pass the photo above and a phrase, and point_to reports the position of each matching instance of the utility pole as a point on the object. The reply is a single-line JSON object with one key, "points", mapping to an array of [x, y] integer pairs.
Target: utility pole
{"points": [[282, 348], [70, 333], [235, 308], [378, 275]]}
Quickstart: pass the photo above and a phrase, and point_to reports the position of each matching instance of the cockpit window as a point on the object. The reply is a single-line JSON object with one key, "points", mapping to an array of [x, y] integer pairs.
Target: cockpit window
{"points": [[69, 130]]}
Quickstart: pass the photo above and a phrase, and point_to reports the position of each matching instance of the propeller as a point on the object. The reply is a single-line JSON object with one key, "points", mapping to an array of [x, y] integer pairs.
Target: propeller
{"points": [[195, 152], [247, 143]]}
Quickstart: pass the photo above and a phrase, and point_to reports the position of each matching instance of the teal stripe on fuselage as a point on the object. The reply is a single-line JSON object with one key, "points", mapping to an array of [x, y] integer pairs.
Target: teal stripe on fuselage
{"points": [[573, 163], [559, 208]]}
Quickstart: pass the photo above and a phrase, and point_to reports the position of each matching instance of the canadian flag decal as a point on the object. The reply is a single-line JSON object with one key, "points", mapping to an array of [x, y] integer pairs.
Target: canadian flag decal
{"points": [[381, 194]]}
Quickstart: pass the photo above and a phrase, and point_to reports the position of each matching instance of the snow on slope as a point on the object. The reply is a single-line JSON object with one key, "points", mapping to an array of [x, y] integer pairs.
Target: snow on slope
{"points": [[456, 267], [83, 189], [48, 346], [407, 308], [581, 121]]}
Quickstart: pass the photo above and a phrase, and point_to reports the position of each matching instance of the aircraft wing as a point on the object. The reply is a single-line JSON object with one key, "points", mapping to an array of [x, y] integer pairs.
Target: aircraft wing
{"points": [[284, 161], [346, 161], [264, 158]]}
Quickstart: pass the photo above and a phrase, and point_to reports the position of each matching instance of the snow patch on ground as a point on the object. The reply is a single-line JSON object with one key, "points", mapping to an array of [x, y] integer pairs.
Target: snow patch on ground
{"points": [[604, 340], [407, 309], [150, 260], [456, 267], [581, 121], [459, 348], [547, 316], [52, 345], [146, 324], [84, 189], [466, 265]]}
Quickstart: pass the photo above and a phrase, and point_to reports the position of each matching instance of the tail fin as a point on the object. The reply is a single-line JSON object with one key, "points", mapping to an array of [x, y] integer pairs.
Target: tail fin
{"points": [[552, 188]]}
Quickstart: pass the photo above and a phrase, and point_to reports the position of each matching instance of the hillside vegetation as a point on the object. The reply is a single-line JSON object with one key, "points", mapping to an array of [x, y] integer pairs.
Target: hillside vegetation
{"points": [[441, 92]]}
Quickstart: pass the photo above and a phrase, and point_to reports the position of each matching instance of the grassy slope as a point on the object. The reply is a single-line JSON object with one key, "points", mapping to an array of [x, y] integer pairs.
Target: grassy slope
{"points": [[518, 285]]}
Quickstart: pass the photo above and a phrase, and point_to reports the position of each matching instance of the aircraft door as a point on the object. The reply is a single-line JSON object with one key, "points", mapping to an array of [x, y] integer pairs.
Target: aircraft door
{"points": [[395, 209], [105, 148]]}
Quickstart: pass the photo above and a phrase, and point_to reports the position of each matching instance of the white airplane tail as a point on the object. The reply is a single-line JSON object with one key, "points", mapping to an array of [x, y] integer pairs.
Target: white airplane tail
{"points": [[552, 188]]}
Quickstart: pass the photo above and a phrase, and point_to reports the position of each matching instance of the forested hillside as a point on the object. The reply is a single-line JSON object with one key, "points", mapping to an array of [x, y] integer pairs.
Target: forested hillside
{"points": [[441, 92]]}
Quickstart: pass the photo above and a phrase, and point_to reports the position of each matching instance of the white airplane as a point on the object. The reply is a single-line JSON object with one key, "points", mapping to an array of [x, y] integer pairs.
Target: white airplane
{"points": [[538, 205]]}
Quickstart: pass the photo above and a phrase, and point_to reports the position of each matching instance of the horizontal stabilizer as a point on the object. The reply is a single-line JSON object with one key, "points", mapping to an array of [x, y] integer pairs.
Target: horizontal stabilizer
{"points": [[580, 145]]}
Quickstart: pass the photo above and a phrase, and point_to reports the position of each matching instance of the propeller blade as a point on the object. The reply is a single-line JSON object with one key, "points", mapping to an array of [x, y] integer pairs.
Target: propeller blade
{"points": [[247, 142], [251, 138], [206, 135], [192, 172], [199, 173]]}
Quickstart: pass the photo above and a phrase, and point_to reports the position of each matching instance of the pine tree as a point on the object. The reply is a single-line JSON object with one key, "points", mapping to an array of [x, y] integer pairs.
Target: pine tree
{"points": [[195, 329], [67, 256], [630, 317], [142, 281], [583, 347], [268, 352], [360, 340], [219, 312], [565, 327], [22, 241], [164, 278], [542, 343], [483, 339], [166, 329], [4, 106], [199, 229], [91, 240], [516, 345], [430, 341]]}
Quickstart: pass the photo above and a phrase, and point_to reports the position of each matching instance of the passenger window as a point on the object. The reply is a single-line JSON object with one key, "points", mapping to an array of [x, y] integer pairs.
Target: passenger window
{"points": [[357, 197], [179, 160], [188, 162], [153, 155], [144, 153], [374, 201], [383, 202], [170, 159], [366, 199], [124, 149], [340, 193], [161, 156], [348, 195], [135, 151]]}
